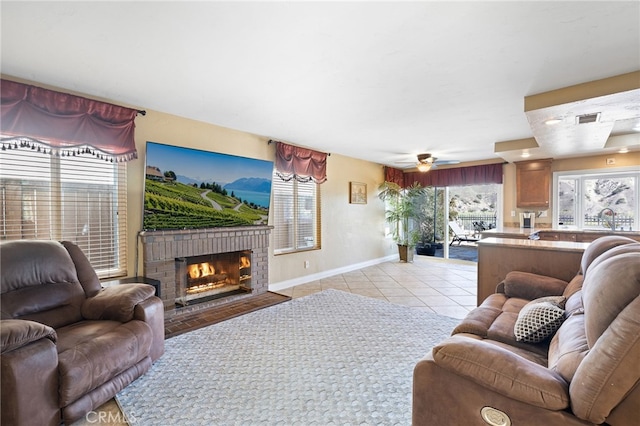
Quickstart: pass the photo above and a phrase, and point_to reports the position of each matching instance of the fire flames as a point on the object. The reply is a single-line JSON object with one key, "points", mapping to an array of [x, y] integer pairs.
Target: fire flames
{"points": [[198, 270], [203, 278], [244, 262]]}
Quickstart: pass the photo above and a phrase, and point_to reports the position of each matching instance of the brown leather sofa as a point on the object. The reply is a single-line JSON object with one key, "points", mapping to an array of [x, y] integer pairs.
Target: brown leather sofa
{"points": [[68, 345], [587, 373]]}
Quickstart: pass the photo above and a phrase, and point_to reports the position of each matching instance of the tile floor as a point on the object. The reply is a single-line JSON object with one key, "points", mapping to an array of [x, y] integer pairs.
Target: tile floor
{"points": [[446, 287]]}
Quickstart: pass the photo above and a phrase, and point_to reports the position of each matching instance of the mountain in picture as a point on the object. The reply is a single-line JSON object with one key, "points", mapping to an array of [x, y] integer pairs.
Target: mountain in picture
{"points": [[190, 181], [250, 184]]}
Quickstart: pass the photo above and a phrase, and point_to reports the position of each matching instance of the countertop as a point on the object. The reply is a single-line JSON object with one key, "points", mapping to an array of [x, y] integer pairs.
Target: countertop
{"points": [[506, 232], [568, 246], [588, 231]]}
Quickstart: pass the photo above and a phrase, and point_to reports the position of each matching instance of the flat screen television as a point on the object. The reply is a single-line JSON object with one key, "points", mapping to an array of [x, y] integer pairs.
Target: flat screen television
{"points": [[188, 188]]}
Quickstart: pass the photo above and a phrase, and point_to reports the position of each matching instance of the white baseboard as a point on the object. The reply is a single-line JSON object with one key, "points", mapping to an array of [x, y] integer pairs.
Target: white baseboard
{"points": [[329, 273]]}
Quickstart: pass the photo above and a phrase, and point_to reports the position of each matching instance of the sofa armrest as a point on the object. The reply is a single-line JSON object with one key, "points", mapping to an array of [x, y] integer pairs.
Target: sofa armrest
{"points": [[16, 333], [151, 311], [116, 303], [527, 285], [502, 371], [29, 372]]}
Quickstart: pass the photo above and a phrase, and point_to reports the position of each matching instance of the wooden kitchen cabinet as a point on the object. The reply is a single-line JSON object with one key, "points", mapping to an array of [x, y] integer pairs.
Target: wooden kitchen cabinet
{"points": [[533, 183]]}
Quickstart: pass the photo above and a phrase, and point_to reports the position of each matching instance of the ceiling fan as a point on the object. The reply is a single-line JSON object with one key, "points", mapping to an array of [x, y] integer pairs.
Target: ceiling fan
{"points": [[427, 162]]}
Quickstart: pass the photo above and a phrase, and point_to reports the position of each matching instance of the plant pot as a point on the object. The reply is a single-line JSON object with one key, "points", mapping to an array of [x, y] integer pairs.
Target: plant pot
{"points": [[405, 253], [426, 249]]}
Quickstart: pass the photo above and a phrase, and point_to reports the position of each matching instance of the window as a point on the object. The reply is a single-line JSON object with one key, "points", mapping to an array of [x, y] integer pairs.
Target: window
{"points": [[593, 199], [476, 207], [76, 198], [296, 215]]}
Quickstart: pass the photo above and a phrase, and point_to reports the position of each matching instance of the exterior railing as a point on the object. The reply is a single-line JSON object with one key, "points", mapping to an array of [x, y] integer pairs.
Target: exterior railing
{"points": [[623, 222], [466, 221]]}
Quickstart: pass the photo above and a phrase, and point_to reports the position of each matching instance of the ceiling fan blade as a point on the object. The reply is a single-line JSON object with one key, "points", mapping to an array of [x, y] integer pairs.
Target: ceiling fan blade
{"points": [[446, 162]]}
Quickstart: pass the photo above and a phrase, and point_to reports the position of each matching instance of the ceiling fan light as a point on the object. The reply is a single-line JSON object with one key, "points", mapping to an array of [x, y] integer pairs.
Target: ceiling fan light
{"points": [[424, 167]]}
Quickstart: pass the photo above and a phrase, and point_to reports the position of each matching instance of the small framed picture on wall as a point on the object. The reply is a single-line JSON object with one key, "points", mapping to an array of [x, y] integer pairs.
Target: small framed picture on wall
{"points": [[357, 193]]}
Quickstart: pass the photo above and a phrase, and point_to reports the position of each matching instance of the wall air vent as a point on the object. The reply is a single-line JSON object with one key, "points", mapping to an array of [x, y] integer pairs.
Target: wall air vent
{"points": [[588, 118]]}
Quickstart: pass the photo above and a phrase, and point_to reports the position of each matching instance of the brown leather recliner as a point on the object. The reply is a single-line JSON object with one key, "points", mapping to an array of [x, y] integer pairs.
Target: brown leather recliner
{"points": [[587, 373], [68, 345]]}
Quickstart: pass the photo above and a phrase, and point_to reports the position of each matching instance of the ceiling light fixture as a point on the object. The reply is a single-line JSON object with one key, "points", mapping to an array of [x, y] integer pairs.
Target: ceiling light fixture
{"points": [[425, 162], [623, 150], [424, 167], [552, 121], [525, 154]]}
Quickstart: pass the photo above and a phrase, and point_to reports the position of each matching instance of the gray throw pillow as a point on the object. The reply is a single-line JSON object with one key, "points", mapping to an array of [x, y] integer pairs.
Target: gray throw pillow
{"points": [[539, 319]]}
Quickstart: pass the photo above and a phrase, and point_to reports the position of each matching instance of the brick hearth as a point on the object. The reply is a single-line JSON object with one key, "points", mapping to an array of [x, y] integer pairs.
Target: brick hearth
{"points": [[161, 248]]}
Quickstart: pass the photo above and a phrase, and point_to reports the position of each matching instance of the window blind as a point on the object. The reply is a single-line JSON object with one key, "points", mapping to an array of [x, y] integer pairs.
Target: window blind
{"points": [[57, 197], [296, 215]]}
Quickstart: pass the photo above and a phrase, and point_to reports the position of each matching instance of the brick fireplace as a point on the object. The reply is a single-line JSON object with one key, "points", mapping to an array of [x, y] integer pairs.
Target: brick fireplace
{"points": [[166, 256]]}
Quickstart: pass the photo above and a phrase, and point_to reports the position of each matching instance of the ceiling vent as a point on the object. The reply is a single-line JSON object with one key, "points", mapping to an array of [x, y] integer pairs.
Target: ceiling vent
{"points": [[588, 118]]}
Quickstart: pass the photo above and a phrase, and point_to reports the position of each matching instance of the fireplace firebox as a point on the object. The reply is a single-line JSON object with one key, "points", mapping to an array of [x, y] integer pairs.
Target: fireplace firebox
{"points": [[212, 276]]}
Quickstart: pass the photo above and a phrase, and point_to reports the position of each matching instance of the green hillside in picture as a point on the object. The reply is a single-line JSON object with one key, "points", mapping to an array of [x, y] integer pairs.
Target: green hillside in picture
{"points": [[175, 205]]}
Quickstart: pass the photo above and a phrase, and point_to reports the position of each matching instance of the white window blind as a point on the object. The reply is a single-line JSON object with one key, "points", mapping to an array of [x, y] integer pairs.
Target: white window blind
{"points": [[76, 198], [296, 215]]}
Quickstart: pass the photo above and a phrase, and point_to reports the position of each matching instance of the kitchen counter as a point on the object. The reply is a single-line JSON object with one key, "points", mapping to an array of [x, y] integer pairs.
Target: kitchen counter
{"points": [[508, 232], [499, 256], [557, 253], [569, 246], [556, 234]]}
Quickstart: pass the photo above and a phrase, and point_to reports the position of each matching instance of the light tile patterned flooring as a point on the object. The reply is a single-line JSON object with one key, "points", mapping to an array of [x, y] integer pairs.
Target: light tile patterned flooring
{"points": [[446, 287]]}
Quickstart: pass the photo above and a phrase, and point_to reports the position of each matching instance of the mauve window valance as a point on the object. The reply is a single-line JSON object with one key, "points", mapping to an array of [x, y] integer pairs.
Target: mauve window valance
{"points": [[302, 164], [459, 176], [67, 124]]}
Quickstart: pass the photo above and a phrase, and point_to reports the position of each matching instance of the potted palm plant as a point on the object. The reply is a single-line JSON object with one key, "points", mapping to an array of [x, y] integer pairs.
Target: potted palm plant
{"points": [[403, 210], [426, 222], [427, 245]]}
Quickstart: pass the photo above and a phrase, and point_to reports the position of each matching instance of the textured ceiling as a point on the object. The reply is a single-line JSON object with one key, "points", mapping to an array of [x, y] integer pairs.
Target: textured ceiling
{"points": [[380, 81]]}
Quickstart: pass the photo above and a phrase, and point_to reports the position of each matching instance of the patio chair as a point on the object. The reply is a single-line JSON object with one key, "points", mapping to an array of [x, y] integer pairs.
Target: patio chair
{"points": [[460, 234]]}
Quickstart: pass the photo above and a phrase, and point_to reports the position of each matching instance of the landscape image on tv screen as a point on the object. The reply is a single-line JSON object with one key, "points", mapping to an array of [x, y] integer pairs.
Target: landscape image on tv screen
{"points": [[189, 188]]}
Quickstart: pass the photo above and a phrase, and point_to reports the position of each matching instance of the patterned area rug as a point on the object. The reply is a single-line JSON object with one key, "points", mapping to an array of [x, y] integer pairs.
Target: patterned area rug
{"points": [[331, 358]]}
